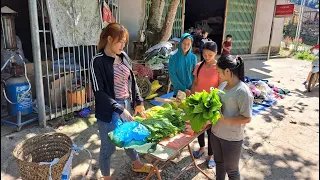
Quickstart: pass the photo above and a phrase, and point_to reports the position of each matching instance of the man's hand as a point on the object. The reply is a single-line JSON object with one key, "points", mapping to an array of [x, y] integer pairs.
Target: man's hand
{"points": [[140, 109]]}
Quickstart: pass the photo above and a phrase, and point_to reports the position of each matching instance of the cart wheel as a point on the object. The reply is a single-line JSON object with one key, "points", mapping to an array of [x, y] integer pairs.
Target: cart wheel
{"points": [[314, 79], [145, 86], [19, 128]]}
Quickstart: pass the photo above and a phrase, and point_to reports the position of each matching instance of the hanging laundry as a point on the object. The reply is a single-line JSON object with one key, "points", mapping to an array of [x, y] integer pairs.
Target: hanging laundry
{"points": [[107, 16]]}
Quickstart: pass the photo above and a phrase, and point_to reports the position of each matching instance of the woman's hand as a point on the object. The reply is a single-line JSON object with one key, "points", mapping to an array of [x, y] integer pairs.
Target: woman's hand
{"points": [[188, 92], [222, 119], [140, 109], [127, 115]]}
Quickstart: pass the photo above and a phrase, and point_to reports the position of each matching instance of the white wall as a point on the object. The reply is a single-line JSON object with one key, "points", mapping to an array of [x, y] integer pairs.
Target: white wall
{"points": [[262, 27], [131, 17]]}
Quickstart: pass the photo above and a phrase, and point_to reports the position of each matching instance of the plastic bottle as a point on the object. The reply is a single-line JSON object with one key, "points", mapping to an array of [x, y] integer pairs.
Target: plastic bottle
{"points": [[66, 173]]}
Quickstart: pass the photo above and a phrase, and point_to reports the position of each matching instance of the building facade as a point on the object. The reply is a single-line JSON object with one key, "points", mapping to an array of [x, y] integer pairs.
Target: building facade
{"points": [[248, 21]]}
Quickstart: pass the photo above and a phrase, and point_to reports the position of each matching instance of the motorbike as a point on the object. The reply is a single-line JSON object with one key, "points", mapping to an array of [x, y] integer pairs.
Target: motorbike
{"points": [[314, 78]]}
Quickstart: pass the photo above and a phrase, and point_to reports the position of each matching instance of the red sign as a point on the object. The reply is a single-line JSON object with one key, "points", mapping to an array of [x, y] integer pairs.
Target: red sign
{"points": [[284, 10]]}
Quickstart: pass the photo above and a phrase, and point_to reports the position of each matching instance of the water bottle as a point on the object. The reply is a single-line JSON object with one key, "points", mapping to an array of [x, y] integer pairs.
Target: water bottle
{"points": [[66, 173]]}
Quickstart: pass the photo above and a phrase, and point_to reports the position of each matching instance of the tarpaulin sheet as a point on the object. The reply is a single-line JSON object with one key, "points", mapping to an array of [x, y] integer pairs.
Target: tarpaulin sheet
{"points": [[74, 22]]}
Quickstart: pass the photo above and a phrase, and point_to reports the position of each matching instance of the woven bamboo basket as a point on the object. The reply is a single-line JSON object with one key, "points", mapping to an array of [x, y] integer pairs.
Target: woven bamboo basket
{"points": [[42, 148]]}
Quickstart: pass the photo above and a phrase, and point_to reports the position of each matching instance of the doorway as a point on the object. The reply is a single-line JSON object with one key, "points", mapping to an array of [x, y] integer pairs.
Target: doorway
{"points": [[205, 15]]}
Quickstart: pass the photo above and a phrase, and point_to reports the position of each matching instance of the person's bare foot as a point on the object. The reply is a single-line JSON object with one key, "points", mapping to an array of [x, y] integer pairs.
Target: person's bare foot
{"points": [[209, 157], [201, 150], [137, 164], [199, 153], [105, 178]]}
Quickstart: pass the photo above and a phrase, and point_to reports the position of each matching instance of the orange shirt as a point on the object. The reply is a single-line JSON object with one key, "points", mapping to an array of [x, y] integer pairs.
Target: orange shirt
{"points": [[208, 77]]}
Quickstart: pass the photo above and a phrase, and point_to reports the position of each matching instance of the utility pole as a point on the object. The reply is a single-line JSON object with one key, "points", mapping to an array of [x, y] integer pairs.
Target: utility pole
{"points": [[271, 31], [299, 24], [35, 39]]}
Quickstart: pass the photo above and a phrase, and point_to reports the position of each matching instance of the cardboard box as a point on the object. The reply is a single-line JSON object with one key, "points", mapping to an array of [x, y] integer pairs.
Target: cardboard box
{"points": [[56, 93], [51, 85], [30, 74]]}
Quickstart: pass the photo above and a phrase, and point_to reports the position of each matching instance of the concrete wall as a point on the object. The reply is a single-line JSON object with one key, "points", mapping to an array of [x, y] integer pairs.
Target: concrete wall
{"points": [[262, 27], [131, 17]]}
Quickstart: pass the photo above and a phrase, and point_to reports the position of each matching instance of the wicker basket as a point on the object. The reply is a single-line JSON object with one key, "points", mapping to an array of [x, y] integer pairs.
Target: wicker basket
{"points": [[42, 148]]}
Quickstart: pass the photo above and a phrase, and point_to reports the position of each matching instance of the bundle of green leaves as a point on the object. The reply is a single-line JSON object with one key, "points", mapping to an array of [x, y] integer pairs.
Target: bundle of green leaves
{"points": [[202, 107], [159, 128], [162, 122]]}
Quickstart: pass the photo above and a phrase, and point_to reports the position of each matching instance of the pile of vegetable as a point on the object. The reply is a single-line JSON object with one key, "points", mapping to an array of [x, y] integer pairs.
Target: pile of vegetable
{"points": [[162, 122], [202, 107]]}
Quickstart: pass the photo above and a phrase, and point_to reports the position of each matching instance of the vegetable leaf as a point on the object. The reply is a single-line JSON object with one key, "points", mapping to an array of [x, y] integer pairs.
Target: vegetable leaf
{"points": [[202, 107]]}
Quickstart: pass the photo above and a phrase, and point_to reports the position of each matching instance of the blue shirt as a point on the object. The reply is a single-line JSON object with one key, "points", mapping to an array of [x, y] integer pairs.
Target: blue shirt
{"points": [[181, 67]]}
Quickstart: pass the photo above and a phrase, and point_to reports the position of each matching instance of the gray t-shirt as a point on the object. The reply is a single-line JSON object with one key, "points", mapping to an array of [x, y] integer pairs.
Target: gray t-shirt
{"points": [[236, 101]]}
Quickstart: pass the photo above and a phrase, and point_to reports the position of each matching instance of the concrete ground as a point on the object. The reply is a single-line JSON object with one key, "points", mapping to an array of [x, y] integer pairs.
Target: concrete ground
{"points": [[281, 144]]}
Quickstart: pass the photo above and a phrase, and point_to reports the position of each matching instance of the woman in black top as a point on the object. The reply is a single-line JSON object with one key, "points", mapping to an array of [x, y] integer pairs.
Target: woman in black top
{"points": [[111, 65]]}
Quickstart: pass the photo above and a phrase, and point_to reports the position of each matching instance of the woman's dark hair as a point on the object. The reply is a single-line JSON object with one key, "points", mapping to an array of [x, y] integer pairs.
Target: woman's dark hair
{"points": [[210, 45], [235, 64], [204, 31]]}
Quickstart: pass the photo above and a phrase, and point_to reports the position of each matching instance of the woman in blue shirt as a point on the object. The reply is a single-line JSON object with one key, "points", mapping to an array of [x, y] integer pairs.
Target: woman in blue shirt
{"points": [[182, 64]]}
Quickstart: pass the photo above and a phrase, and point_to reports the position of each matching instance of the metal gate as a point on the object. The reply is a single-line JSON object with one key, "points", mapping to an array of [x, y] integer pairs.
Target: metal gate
{"points": [[66, 82], [178, 24], [240, 24]]}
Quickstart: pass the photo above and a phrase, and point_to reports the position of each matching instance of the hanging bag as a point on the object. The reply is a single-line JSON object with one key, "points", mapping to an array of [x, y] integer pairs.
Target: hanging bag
{"points": [[107, 15]]}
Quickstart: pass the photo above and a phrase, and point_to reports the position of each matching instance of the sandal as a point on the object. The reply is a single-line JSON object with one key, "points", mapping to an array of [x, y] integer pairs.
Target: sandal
{"points": [[196, 154], [144, 169], [210, 164]]}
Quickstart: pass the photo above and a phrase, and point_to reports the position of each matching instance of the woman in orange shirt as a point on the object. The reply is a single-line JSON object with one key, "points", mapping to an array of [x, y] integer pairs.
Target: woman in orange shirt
{"points": [[205, 77]]}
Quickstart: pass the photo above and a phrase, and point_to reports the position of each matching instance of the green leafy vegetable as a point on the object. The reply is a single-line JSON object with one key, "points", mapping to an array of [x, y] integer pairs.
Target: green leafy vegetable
{"points": [[202, 107], [162, 122], [159, 129]]}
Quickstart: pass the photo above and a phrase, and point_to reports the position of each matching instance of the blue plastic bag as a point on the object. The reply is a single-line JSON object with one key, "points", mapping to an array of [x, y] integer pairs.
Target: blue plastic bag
{"points": [[128, 133]]}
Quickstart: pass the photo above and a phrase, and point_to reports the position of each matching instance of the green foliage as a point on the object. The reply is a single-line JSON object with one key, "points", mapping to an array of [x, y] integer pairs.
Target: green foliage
{"points": [[159, 128], [306, 55], [201, 108], [162, 122]]}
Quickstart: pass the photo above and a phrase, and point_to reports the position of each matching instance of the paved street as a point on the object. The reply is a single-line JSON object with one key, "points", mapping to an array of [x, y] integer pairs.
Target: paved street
{"points": [[280, 144]]}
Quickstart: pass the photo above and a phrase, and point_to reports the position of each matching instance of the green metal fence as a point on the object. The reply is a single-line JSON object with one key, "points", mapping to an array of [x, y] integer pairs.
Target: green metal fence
{"points": [[177, 25], [239, 23]]}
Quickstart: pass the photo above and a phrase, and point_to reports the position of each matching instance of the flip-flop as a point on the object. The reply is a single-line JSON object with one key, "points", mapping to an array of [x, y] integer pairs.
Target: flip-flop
{"points": [[144, 169], [196, 154], [210, 164]]}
